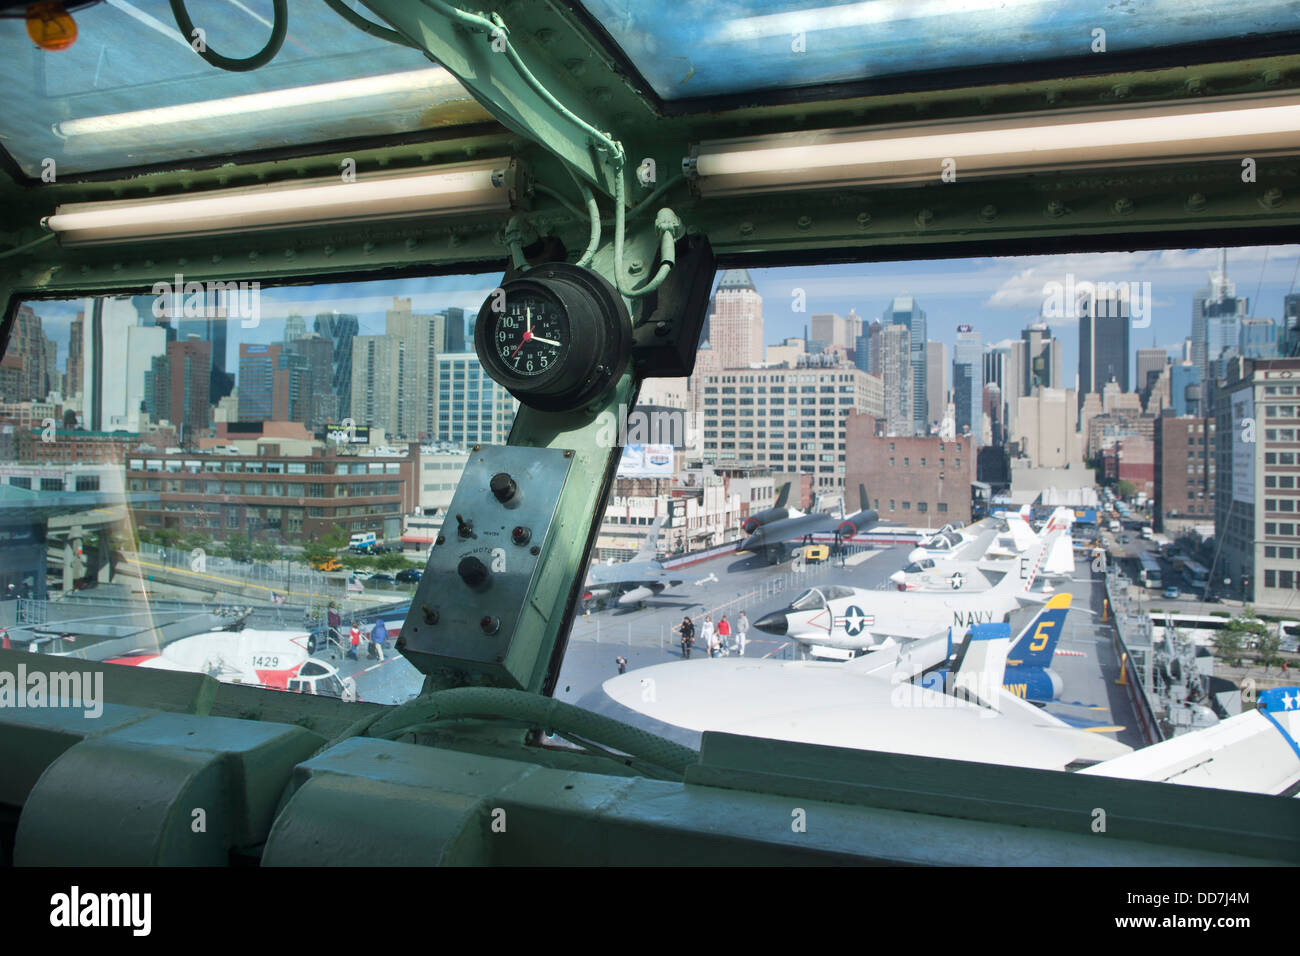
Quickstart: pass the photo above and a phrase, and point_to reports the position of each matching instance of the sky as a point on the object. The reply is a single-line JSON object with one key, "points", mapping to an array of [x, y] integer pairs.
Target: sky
{"points": [[997, 296]]}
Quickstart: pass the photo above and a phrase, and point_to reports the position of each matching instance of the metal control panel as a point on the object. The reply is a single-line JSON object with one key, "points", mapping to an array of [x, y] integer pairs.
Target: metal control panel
{"points": [[471, 600]]}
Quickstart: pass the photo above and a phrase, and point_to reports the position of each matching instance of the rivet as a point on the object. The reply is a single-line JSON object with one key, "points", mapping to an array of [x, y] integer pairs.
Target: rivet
{"points": [[568, 453], [746, 228], [216, 257], [1272, 77], [368, 247], [601, 94], [662, 328], [804, 223], [534, 550], [1195, 202], [289, 253], [1056, 209], [545, 36], [576, 66], [411, 243], [1195, 86], [864, 219], [328, 250], [1120, 91], [989, 213], [1271, 199], [1122, 206], [924, 218], [252, 255], [455, 239]]}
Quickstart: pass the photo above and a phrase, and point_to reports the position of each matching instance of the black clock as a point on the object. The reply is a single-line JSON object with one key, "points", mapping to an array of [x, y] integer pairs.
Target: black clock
{"points": [[555, 338]]}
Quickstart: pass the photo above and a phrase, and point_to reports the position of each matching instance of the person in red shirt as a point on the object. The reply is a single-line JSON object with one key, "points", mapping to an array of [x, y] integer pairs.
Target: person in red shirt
{"points": [[355, 637], [724, 636]]}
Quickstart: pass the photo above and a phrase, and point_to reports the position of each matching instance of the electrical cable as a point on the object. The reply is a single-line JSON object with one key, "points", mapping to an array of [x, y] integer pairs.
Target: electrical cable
{"points": [[369, 26], [279, 28]]}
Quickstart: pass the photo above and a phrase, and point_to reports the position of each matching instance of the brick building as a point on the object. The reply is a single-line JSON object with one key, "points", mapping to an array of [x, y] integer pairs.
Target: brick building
{"points": [[920, 480], [270, 496], [1184, 471]]}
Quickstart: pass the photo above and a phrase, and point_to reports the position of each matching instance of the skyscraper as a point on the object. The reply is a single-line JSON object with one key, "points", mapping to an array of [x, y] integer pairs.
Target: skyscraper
{"points": [[340, 329], [896, 371], [1040, 359], [294, 328], [735, 323], [116, 351], [1288, 337], [904, 311], [454, 335], [421, 337], [1218, 300], [936, 371], [1150, 363], [1103, 343], [318, 407], [258, 398], [968, 382]]}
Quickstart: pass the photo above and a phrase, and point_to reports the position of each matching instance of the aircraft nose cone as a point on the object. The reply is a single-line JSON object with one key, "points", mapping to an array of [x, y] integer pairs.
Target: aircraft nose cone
{"points": [[774, 623]]}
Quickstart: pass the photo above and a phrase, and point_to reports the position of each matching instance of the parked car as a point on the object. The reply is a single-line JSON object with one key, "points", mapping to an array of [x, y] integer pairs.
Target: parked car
{"points": [[410, 575], [363, 574], [386, 579], [1172, 592]]}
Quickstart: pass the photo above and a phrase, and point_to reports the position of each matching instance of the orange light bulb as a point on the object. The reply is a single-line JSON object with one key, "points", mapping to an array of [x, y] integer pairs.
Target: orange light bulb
{"points": [[50, 26]]}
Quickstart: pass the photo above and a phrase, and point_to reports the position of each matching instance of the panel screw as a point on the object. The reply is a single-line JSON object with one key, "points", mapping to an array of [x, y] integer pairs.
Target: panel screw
{"points": [[989, 213], [924, 218], [804, 223], [864, 219], [1271, 199], [534, 550], [1195, 202], [568, 453], [1056, 209], [635, 266], [746, 228], [1122, 206], [442, 539]]}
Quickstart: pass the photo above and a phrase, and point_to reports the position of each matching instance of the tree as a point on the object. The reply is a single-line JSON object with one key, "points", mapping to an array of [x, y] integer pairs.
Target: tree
{"points": [[266, 552], [1269, 646], [1227, 646], [239, 546], [336, 539], [1125, 489]]}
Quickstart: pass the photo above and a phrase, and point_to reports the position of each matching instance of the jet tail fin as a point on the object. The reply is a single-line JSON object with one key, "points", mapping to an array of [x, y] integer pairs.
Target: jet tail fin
{"points": [[864, 503], [647, 550], [783, 496], [1020, 581], [982, 666], [1036, 644]]}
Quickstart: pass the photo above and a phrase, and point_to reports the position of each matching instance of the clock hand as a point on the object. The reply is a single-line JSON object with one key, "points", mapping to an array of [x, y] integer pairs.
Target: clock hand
{"points": [[528, 335], [538, 338]]}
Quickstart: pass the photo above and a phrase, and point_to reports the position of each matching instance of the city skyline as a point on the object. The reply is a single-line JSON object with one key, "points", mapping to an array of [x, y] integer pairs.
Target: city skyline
{"points": [[998, 297]]}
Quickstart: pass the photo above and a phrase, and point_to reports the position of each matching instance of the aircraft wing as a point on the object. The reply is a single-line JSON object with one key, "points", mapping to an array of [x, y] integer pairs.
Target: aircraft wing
{"points": [[1256, 751]]}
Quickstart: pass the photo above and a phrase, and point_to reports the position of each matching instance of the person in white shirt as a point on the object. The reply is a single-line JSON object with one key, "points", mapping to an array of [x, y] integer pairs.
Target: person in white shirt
{"points": [[742, 629], [706, 632]]}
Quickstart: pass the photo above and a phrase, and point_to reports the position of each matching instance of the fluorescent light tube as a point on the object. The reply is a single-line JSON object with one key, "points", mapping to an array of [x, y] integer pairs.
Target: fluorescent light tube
{"points": [[1229, 128], [387, 91], [484, 186]]}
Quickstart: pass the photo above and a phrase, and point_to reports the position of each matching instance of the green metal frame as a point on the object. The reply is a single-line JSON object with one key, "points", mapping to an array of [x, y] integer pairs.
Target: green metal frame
{"points": [[563, 806]]}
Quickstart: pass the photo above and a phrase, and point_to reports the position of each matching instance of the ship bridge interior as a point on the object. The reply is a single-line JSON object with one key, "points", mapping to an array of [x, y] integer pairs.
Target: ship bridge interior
{"points": [[593, 166]]}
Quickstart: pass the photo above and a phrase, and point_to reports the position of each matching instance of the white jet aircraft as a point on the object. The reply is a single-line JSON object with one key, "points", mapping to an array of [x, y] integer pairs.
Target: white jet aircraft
{"points": [[866, 704], [847, 618], [930, 574]]}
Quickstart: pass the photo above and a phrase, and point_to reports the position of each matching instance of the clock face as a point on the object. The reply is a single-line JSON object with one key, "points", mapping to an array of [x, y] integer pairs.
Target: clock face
{"points": [[531, 337]]}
